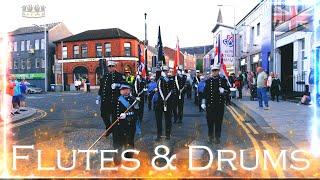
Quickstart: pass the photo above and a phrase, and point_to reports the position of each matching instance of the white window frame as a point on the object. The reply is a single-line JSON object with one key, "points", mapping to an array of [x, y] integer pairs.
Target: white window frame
{"points": [[65, 52], [22, 46], [15, 46], [29, 63], [43, 63], [37, 60], [15, 64], [36, 44], [23, 63], [127, 45], [76, 51], [107, 47], [28, 45], [43, 44]]}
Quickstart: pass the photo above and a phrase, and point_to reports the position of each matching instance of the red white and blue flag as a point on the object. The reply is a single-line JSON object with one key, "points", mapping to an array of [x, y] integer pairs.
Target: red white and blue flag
{"points": [[141, 67], [176, 60]]}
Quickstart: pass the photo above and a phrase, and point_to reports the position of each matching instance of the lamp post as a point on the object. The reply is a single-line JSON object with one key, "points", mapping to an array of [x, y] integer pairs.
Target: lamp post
{"points": [[45, 56], [234, 33]]}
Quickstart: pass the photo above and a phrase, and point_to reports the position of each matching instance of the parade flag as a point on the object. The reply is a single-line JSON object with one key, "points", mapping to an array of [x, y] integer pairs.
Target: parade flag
{"points": [[216, 51], [177, 58], [223, 70], [141, 66], [160, 49]]}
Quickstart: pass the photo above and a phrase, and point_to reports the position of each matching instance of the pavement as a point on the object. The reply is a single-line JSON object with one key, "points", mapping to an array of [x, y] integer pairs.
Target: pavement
{"points": [[292, 120], [24, 114]]}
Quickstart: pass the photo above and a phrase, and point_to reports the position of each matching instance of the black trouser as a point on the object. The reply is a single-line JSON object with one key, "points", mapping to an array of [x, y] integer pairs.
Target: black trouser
{"points": [[167, 116], [140, 110], [189, 89], [240, 92], [150, 96], [274, 95], [88, 87], [214, 120], [196, 97], [177, 108], [228, 99]]}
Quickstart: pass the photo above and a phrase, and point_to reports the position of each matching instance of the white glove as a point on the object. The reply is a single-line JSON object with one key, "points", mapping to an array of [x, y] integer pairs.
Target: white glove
{"points": [[122, 116], [97, 102], [196, 86], [203, 106], [145, 89], [113, 86], [138, 98], [155, 89], [221, 90], [163, 74]]}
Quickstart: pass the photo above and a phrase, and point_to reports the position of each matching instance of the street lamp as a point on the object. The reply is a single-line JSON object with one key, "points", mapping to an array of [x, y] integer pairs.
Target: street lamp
{"points": [[234, 33], [45, 56]]}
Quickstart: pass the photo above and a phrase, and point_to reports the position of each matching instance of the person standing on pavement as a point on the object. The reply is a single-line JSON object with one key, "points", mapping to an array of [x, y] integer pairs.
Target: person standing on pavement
{"points": [[275, 87], [124, 131], [88, 85], [262, 88], [179, 89], [189, 84], [239, 84], [252, 85], [9, 93], [23, 89], [200, 90], [109, 92], [213, 102], [164, 103], [16, 96], [139, 87]]}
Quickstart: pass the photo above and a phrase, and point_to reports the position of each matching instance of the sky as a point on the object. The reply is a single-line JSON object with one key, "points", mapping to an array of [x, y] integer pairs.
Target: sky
{"points": [[189, 20]]}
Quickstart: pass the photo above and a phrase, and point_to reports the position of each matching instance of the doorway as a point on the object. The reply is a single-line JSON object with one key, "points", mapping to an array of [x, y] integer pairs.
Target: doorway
{"points": [[287, 69]]}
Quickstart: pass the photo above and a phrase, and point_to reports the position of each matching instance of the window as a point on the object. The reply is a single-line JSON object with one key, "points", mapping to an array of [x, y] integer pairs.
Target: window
{"points": [[23, 63], [28, 45], [76, 52], [28, 63], [98, 50], [15, 64], [43, 63], [15, 46], [36, 44], [43, 44], [65, 52], [258, 29], [84, 51], [22, 46], [303, 57], [108, 49], [127, 49], [37, 63]]}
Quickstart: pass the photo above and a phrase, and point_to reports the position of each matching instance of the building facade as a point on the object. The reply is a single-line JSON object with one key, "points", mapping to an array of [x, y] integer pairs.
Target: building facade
{"points": [[254, 39], [199, 52], [79, 54], [295, 38], [28, 46]]}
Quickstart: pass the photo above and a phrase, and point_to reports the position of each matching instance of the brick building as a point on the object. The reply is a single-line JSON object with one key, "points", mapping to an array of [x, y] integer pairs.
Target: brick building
{"points": [[81, 53]]}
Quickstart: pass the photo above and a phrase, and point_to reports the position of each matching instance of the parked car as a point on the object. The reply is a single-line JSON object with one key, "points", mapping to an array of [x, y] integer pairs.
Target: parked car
{"points": [[32, 89]]}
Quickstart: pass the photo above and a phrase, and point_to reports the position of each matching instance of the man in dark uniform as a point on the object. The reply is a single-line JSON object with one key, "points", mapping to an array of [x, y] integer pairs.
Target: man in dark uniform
{"points": [[213, 102], [164, 103], [195, 83], [139, 86], [123, 132], [109, 92], [179, 92]]}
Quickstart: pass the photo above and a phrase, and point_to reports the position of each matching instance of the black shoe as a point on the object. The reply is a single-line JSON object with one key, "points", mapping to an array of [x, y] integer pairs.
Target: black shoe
{"points": [[175, 121], [17, 112], [12, 113], [167, 137], [23, 110], [180, 121]]}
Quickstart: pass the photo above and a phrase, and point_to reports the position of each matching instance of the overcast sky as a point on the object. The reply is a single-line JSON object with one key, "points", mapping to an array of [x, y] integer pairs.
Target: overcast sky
{"points": [[190, 20]]}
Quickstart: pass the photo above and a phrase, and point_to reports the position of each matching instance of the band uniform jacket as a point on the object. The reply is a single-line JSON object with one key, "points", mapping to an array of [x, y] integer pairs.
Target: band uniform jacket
{"points": [[212, 94], [108, 95], [181, 83], [124, 130], [166, 86], [138, 86]]}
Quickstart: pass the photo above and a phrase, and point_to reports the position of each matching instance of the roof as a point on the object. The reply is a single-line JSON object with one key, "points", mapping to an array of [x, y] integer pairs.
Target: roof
{"points": [[111, 33], [33, 29], [171, 53], [252, 10], [152, 49], [222, 25], [197, 49]]}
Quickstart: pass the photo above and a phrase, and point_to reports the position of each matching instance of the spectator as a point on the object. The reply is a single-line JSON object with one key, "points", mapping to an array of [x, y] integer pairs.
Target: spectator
{"points": [[87, 84], [275, 87], [9, 93], [262, 88], [76, 85], [200, 90], [239, 84], [252, 85], [23, 89], [269, 81], [306, 99], [16, 96]]}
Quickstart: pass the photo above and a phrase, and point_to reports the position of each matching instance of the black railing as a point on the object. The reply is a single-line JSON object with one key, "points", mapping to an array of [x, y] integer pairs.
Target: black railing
{"points": [[299, 82]]}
